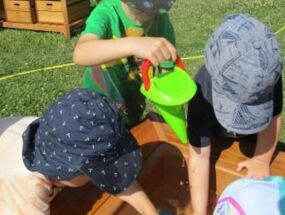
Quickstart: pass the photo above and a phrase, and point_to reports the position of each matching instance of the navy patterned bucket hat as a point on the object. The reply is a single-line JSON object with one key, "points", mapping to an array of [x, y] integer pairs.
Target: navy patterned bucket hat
{"points": [[83, 133], [151, 6], [244, 61]]}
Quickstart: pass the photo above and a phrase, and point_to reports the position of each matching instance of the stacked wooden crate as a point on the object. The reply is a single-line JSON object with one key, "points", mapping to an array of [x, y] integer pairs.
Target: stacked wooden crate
{"points": [[1, 11], [56, 12], [46, 15], [22, 11]]}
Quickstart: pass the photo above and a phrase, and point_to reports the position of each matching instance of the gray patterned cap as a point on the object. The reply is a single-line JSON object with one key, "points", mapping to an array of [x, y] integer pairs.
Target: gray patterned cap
{"points": [[151, 6], [243, 59]]}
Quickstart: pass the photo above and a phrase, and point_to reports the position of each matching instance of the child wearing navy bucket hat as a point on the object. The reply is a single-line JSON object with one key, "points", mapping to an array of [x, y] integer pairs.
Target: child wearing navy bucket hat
{"points": [[81, 137], [239, 94], [117, 36]]}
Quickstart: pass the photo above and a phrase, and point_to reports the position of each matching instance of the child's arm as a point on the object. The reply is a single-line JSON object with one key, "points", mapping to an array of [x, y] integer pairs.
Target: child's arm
{"points": [[137, 198], [199, 170], [259, 165], [90, 50]]}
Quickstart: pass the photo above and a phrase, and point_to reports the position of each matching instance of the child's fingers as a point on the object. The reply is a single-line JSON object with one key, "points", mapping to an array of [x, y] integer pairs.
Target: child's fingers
{"points": [[161, 50], [240, 166], [249, 175], [158, 50], [171, 50], [255, 176], [153, 59], [160, 56], [168, 50], [165, 52], [156, 56]]}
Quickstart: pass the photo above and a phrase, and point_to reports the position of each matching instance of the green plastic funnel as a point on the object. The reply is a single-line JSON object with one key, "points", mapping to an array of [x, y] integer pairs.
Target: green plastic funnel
{"points": [[169, 92], [175, 118]]}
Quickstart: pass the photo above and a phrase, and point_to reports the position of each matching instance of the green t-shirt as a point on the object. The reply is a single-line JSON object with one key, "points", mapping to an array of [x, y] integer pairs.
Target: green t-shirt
{"points": [[119, 80]]}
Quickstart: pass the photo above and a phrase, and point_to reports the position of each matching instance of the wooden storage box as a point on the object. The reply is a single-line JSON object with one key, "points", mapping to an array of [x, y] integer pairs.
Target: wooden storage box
{"points": [[20, 11], [1, 10], [56, 12]]}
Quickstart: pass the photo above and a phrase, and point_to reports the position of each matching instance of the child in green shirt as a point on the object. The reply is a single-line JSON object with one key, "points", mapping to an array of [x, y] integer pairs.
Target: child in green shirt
{"points": [[117, 34]]}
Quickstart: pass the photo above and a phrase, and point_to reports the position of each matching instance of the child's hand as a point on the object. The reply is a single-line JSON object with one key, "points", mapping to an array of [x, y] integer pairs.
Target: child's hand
{"points": [[256, 168], [155, 49]]}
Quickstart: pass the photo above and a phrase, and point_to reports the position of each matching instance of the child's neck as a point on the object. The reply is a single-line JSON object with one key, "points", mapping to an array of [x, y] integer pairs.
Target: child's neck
{"points": [[137, 16]]}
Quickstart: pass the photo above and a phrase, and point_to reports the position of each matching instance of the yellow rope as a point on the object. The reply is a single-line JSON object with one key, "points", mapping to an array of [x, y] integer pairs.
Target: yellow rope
{"points": [[36, 70], [280, 30], [73, 64], [193, 57]]}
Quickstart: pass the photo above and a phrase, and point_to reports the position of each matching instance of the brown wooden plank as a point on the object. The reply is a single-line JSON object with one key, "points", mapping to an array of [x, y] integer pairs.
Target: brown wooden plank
{"points": [[69, 2], [50, 17], [78, 10], [53, 6], [18, 5], [20, 16], [20, 11], [36, 26], [164, 172], [164, 179]]}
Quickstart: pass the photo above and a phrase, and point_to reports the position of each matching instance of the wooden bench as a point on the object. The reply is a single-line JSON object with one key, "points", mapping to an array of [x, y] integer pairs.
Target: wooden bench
{"points": [[164, 174]]}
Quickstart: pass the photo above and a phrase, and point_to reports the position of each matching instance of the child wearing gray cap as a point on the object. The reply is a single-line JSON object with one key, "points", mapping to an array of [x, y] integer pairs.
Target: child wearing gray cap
{"points": [[118, 35], [239, 94], [81, 137]]}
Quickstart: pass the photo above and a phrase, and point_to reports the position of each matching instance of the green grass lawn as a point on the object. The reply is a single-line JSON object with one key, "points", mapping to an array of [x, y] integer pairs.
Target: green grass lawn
{"points": [[21, 50]]}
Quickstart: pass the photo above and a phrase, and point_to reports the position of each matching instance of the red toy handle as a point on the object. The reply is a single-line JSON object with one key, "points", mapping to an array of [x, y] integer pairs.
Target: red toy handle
{"points": [[179, 63], [145, 68]]}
